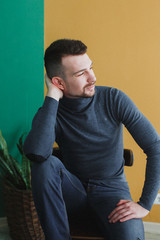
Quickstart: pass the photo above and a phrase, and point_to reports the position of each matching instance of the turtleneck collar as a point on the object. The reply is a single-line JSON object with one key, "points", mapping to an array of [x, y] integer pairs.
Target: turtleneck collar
{"points": [[75, 104]]}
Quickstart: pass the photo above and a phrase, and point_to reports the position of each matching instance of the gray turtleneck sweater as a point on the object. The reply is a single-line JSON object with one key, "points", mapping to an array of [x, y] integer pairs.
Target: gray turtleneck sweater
{"points": [[89, 132]]}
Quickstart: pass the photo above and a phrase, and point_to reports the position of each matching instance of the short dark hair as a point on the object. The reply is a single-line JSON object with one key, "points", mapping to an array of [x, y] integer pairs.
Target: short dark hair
{"points": [[57, 50]]}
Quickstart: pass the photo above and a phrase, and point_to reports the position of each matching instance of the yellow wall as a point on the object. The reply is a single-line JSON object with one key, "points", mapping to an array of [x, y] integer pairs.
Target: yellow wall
{"points": [[123, 39]]}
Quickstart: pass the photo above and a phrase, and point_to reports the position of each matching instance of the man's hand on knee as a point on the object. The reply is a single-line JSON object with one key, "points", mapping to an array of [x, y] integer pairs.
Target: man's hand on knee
{"points": [[126, 210]]}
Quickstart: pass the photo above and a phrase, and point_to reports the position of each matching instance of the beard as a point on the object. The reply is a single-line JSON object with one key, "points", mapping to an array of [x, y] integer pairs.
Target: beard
{"points": [[87, 91]]}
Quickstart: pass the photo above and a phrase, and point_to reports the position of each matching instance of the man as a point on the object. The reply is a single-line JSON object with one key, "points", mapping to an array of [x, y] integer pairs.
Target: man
{"points": [[87, 123]]}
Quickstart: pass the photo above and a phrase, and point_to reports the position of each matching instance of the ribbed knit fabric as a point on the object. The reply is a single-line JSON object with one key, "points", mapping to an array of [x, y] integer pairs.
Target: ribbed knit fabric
{"points": [[89, 132]]}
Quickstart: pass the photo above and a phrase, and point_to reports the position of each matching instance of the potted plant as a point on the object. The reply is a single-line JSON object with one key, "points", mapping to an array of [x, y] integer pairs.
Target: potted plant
{"points": [[21, 214]]}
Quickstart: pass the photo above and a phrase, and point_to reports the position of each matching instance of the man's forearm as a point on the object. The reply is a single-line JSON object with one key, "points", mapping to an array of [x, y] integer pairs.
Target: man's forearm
{"points": [[152, 180], [39, 142]]}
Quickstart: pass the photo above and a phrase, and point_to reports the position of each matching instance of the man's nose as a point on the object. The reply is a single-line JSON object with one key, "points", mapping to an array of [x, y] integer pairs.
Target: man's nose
{"points": [[91, 77]]}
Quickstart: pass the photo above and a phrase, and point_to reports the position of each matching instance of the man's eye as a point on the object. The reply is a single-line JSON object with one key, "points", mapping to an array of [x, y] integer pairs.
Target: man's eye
{"points": [[80, 74]]}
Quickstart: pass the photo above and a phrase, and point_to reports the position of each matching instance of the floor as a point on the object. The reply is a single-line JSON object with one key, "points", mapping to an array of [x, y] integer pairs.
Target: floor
{"points": [[4, 235]]}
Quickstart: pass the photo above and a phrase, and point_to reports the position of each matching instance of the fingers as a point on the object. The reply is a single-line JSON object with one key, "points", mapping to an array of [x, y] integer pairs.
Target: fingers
{"points": [[120, 205], [47, 80], [122, 216], [126, 210], [54, 91], [121, 212], [122, 202], [126, 218]]}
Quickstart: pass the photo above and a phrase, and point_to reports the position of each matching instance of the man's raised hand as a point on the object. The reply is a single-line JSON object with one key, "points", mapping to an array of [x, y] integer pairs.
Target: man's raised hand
{"points": [[53, 90]]}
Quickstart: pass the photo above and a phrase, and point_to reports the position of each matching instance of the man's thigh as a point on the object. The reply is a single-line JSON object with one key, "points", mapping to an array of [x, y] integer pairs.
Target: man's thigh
{"points": [[102, 204], [74, 193], [52, 180]]}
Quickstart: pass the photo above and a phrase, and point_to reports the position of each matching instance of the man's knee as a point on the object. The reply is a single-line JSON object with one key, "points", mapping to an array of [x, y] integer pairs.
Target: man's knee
{"points": [[42, 173], [132, 229]]}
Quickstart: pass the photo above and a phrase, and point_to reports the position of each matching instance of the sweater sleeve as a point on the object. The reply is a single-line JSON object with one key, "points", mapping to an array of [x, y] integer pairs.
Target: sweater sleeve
{"points": [[38, 144], [148, 139]]}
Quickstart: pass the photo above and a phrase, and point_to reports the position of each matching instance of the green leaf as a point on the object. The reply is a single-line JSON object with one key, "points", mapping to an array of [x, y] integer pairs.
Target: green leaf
{"points": [[15, 174], [20, 144], [5, 167], [4, 147]]}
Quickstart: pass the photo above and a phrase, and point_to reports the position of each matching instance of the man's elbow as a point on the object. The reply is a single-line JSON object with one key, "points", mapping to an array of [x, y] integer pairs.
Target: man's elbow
{"points": [[35, 158]]}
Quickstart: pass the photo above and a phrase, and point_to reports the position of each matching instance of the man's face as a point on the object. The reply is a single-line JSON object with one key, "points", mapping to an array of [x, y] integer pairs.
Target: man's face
{"points": [[79, 76]]}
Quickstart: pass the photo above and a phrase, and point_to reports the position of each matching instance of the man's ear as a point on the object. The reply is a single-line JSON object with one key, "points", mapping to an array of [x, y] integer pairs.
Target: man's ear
{"points": [[58, 82]]}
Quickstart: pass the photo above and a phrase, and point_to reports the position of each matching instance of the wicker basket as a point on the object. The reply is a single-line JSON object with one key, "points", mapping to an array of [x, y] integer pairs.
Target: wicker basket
{"points": [[22, 216]]}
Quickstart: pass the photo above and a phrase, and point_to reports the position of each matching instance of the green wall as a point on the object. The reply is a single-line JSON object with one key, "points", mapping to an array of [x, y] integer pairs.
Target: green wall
{"points": [[21, 69]]}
